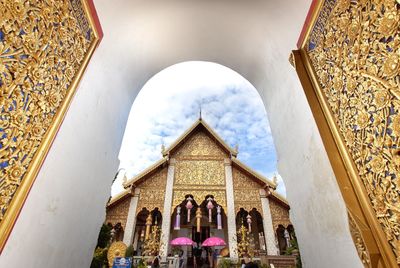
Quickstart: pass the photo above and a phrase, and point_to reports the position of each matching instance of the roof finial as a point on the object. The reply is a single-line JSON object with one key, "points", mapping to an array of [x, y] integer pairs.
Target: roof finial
{"points": [[163, 149], [235, 151], [200, 112], [275, 179]]}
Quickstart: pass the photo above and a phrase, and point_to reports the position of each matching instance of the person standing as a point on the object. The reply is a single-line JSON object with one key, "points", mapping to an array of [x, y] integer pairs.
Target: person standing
{"points": [[248, 262]]}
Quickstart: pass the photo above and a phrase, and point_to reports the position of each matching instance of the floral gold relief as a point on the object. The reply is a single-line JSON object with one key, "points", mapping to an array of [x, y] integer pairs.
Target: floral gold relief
{"points": [[200, 145], [351, 55], [246, 192], [44, 48], [152, 192], [280, 215], [199, 172], [359, 241]]}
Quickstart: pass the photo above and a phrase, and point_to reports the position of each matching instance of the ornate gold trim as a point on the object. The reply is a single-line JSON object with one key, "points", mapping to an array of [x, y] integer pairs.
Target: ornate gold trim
{"points": [[119, 196], [117, 249], [347, 176], [209, 129], [145, 172], [359, 241], [260, 178], [21, 193]]}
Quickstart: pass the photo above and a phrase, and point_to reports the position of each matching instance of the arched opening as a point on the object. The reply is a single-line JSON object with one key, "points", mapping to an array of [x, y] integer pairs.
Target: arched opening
{"points": [[198, 220], [225, 157], [253, 222], [257, 229], [142, 223], [226, 100], [282, 238]]}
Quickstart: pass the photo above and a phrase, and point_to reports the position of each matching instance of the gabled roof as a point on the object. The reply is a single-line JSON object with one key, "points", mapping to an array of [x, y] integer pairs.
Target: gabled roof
{"points": [[118, 197], [263, 181], [200, 122], [257, 176], [138, 178]]}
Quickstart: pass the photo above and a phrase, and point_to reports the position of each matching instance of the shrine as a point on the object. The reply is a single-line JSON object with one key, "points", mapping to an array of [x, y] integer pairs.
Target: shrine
{"points": [[199, 189]]}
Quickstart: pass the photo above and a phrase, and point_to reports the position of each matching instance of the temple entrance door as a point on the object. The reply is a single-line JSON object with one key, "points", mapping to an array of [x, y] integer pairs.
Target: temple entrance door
{"points": [[199, 238], [203, 235]]}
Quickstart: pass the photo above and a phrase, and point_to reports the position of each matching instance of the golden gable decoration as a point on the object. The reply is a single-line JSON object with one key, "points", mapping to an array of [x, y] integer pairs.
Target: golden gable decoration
{"points": [[199, 145], [44, 48]]}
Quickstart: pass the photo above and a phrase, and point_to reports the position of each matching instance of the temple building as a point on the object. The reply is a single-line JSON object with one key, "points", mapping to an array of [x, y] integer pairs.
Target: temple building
{"points": [[197, 190]]}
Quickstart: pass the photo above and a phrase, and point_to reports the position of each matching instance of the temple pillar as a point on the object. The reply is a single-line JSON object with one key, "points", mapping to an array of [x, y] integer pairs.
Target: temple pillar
{"points": [[131, 219], [166, 223], [269, 233], [231, 215]]}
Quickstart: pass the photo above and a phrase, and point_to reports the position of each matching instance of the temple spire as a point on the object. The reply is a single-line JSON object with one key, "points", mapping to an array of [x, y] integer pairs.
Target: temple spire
{"points": [[200, 112]]}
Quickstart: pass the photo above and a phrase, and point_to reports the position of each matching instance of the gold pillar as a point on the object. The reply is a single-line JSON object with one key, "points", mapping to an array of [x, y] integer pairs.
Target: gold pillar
{"points": [[198, 219], [148, 225]]}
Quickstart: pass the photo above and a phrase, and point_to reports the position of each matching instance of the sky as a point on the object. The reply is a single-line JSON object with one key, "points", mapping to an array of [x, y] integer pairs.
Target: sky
{"points": [[169, 103]]}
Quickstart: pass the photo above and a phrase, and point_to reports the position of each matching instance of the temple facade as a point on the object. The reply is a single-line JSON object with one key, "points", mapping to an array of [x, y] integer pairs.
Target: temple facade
{"points": [[197, 190]]}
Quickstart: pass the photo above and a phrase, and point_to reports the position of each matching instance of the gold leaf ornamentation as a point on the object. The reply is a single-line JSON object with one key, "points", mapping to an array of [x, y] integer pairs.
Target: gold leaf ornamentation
{"points": [[118, 213], [359, 241], [246, 192], [44, 48], [199, 172], [199, 145], [199, 196], [354, 49], [279, 214], [152, 192], [117, 249]]}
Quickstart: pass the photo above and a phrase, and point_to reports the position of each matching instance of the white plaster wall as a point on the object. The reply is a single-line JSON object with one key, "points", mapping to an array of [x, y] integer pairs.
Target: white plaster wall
{"points": [[59, 223]]}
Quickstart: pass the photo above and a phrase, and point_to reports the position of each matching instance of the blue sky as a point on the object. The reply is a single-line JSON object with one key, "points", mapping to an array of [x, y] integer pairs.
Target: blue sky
{"points": [[169, 103]]}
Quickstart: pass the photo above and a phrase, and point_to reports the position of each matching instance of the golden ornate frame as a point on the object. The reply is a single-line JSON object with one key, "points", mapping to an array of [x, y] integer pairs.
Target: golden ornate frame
{"points": [[82, 16], [369, 235]]}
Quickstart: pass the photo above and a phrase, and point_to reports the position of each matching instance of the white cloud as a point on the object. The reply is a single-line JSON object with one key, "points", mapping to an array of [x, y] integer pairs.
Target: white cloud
{"points": [[169, 103]]}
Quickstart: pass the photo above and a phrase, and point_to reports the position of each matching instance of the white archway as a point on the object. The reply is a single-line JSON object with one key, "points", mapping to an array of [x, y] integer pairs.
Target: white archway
{"points": [[65, 207]]}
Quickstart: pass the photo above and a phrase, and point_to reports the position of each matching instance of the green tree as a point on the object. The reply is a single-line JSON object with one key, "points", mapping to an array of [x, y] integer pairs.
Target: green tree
{"points": [[104, 236]]}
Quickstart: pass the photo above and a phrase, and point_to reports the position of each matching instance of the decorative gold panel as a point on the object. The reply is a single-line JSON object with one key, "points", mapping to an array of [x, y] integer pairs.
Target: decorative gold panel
{"points": [[199, 196], [200, 145], [118, 213], [354, 50], [279, 214], [246, 192], [359, 241], [199, 172], [152, 192], [44, 49]]}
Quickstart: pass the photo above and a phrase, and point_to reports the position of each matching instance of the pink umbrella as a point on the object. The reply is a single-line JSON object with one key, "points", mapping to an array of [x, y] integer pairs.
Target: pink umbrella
{"points": [[182, 241], [213, 241]]}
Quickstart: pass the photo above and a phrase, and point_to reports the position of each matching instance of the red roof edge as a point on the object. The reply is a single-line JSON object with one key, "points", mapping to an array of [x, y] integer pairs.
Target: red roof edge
{"points": [[96, 20], [307, 22]]}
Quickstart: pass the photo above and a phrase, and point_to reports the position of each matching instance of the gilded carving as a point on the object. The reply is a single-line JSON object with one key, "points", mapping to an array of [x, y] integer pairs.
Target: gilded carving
{"points": [[200, 145], [199, 196], [355, 56], [118, 213], [279, 214], [117, 249], [44, 47], [246, 192], [359, 241], [152, 191], [199, 172]]}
